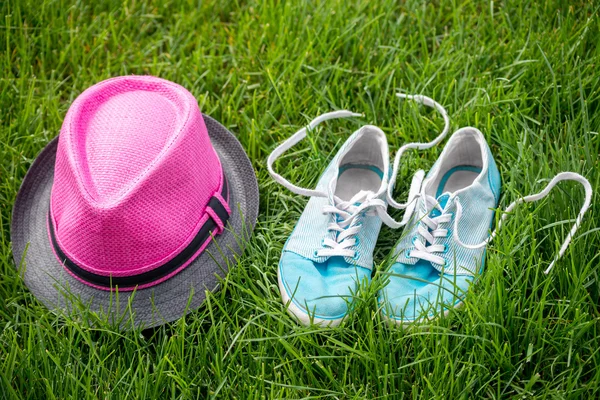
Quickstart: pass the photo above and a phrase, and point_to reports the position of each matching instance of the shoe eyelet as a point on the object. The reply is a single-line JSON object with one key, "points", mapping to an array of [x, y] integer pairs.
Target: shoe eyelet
{"points": [[316, 253], [414, 239], [407, 254], [445, 249], [355, 257], [323, 242], [357, 241]]}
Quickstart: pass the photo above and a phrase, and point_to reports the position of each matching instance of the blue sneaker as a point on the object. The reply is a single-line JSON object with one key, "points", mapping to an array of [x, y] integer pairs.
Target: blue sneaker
{"points": [[330, 251], [433, 271], [443, 246]]}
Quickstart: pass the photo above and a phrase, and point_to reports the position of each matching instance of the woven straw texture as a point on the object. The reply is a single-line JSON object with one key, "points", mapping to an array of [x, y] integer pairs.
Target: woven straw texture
{"points": [[51, 284], [134, 172]]}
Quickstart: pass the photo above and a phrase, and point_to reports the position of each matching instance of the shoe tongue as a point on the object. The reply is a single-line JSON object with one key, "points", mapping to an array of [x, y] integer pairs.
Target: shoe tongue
{"points": [[442, 201], [360, 197], [357, 200]]}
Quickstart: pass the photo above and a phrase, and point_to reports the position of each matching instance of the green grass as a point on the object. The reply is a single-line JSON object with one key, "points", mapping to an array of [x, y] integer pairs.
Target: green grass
{"points": [[526, 73]]}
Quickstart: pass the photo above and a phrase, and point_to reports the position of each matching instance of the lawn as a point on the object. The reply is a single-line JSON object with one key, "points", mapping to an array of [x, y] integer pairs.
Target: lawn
{"points": [[526, 73]]}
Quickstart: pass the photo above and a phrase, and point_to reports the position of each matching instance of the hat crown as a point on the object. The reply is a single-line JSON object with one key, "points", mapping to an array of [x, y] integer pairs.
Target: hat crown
{"points": [[135, 171]]}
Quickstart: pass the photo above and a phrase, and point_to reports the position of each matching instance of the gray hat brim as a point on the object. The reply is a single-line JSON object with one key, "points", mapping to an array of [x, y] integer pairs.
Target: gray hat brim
{"points": [[49, 282]]}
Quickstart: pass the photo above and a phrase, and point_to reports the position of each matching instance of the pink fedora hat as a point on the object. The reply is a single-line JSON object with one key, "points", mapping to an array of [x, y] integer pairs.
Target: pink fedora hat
{"points": [[140, 194]]}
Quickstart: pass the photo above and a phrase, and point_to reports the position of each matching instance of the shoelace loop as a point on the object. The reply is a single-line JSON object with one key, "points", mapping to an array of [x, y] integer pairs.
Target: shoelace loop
{"points": [[563, 176], [348, 223], [374, 205], [429, 229], [293, 140], [412, 195]]}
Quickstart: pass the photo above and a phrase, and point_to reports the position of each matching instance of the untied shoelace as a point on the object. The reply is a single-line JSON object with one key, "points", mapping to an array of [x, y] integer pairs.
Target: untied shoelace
{"points": [[346, 213], [349, 211], [430, 227], [563, 176]]}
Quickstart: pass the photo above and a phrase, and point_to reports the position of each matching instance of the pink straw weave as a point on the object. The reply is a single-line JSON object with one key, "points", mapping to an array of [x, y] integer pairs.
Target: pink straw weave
{"points": [[134, 173]]}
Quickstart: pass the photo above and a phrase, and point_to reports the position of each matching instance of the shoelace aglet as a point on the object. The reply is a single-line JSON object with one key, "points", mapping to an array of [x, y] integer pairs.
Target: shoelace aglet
{"points": [[547, 271], [418, 98]]}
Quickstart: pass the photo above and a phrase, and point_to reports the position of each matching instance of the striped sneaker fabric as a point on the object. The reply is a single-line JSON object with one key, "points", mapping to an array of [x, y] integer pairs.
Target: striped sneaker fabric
{"points": [[442, 249], [330, 251], [432, 272]]}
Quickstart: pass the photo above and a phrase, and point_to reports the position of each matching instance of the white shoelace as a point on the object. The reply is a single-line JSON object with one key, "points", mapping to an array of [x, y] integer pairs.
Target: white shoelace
{"points": [[420, 175], [424, 252], [371, 203], [563, 176], [349, 225], [293, 140], [428, 229]]}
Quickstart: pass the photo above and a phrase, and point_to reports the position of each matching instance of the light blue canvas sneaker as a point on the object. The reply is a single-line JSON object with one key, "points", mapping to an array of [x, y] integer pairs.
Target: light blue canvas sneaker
{"points": [[432, 271], [330, 251], [443, 246]]}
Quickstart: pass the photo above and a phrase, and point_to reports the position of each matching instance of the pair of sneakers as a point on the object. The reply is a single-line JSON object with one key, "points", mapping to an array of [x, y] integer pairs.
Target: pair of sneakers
{"points": [[447, 220]]}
